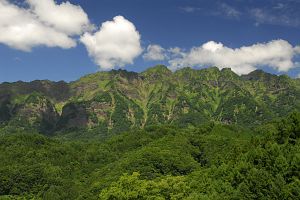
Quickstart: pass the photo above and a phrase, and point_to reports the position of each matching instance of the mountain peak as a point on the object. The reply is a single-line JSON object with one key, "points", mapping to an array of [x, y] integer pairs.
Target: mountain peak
{"points": [[119, 100], [229, 73], [226, 69], [157, 71], [258, 74], [185, 70]]}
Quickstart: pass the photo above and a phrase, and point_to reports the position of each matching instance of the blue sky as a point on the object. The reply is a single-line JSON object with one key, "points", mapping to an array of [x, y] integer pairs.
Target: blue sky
{"points": [[163, 24]]}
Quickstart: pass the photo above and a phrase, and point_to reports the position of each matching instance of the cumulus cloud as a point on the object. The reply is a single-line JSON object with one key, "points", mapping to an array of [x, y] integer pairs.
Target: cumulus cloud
{"points": [[155, 53], [42, 23], [115, 44], [277, 54], [65, 17]]}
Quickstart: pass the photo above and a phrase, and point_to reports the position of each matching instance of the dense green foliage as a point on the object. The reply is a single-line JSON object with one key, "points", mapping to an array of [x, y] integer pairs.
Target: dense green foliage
{"points": [[118, 101], [209, 161], [189, 134]]}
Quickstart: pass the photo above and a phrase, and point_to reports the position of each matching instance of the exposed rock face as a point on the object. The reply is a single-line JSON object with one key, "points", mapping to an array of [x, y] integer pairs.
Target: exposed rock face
{"points": [[37, 112], [73, 115], [57, 91], [119, 100], [5, 114]]}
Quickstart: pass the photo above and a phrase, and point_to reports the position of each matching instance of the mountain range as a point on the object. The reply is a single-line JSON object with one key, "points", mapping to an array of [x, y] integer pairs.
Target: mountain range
{"points": [[189, 134], [118, 100]]}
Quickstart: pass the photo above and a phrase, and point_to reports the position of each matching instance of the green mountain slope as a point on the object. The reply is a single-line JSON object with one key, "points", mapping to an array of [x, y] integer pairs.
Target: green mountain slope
{"points": [[189, 134], [119, 100]]}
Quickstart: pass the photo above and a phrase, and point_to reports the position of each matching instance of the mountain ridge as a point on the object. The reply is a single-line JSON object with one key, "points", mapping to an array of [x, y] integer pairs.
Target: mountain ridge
{"points": [[116, 70], [118, 100]]}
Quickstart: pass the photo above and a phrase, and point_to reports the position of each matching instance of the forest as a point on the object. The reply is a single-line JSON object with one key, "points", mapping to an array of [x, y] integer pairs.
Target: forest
{"points": [[158, 134], [209, 161], [149, 100]]}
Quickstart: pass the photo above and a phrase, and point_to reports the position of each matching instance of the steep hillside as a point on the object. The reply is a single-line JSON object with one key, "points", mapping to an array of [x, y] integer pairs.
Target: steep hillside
{"points": [[119, 100]]}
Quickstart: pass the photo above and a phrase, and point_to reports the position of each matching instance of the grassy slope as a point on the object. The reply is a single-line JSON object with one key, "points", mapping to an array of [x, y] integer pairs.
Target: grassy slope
{"points": [[158, 96]]}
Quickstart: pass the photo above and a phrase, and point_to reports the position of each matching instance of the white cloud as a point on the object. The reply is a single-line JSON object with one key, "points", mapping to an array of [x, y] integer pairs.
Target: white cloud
{"points": [[155, 52], [116, 43], [297, 49], [66, 17], [212, 46], [277, 54], [176, 52], [24, 28]]}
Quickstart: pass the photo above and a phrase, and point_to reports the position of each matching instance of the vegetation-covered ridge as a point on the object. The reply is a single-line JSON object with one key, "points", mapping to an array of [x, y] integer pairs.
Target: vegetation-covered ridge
{"points": [[189, 134], [118, 100]]}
